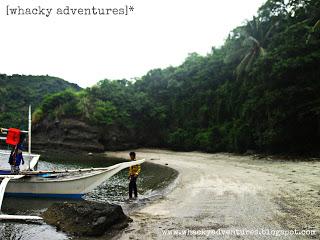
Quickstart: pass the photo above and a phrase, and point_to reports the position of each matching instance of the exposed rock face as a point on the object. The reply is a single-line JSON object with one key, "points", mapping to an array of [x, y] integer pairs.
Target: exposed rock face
{"points": [[74, 134], [67, 133], [87, 218]]}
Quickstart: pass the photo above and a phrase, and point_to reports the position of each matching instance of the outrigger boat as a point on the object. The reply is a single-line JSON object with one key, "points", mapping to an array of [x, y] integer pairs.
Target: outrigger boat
{"points": [[52, 184], [61, 184]]}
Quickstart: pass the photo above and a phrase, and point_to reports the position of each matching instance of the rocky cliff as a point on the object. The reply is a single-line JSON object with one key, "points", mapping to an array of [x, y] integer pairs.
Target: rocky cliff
{"points": [[73, 134]]}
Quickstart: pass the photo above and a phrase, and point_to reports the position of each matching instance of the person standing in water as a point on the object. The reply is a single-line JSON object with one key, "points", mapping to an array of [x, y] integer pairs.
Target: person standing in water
{"points": [[134, 172]]}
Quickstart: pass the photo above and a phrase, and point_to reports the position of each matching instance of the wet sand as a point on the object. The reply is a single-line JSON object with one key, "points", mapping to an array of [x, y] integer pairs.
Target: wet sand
{"points": [[221, 192]]}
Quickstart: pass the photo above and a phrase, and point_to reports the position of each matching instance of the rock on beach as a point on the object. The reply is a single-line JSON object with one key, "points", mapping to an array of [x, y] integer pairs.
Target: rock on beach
{"points": [[86, 218]]}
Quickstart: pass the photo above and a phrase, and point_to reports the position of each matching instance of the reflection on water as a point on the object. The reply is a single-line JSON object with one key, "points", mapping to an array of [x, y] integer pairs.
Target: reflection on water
{"points": [[153, 178], [29, 231]]}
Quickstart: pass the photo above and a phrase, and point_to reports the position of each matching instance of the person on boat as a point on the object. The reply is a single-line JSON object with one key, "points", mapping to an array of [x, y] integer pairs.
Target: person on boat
{"points": [[134, 172], [16, 158]]}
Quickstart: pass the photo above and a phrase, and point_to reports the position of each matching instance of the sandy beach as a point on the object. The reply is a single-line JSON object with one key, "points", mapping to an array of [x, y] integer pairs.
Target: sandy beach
{"points": [[251, 198]]}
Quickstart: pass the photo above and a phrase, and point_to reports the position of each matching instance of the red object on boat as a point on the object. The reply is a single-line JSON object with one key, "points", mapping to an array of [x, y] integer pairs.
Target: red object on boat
{"points": [[13, 136]]}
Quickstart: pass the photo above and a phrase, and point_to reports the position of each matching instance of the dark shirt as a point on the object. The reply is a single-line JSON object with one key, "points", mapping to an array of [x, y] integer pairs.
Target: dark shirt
{"points": [[16, 158]]}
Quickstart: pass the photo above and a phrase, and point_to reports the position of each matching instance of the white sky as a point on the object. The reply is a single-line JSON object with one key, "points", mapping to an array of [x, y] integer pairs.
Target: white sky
{"points": [[86, 49]]}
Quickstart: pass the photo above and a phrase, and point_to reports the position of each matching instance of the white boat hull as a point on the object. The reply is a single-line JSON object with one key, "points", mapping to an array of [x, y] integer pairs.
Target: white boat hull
{"points": [[63, 187]]}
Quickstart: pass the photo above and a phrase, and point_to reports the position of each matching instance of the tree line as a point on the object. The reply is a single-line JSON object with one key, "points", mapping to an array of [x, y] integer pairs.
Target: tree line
{"points": [[259, 91]]}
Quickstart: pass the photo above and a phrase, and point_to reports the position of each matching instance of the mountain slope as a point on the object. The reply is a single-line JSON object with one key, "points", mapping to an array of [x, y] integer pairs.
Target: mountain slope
{"points": [[18, 91]]}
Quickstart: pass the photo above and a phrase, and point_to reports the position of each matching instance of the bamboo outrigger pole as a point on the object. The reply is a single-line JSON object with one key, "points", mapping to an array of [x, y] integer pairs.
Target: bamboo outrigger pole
{"points": [[29, 130], [29, 136], [7, 178]]}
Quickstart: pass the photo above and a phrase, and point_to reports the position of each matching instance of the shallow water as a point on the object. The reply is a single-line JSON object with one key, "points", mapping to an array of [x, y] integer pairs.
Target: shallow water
{"points": [[151, 182]]}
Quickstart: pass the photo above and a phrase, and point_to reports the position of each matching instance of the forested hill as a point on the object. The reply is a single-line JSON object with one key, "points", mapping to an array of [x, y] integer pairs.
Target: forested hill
{"points": [[18, 91], [259, 91]]}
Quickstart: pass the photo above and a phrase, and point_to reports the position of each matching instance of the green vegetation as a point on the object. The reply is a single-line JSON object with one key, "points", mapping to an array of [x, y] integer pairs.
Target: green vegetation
{"points": [[259, 91], [18, 91]]}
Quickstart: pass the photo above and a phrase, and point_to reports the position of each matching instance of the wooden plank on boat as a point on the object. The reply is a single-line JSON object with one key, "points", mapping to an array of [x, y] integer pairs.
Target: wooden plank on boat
{"points": [[19, 217], [122, 165]]}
